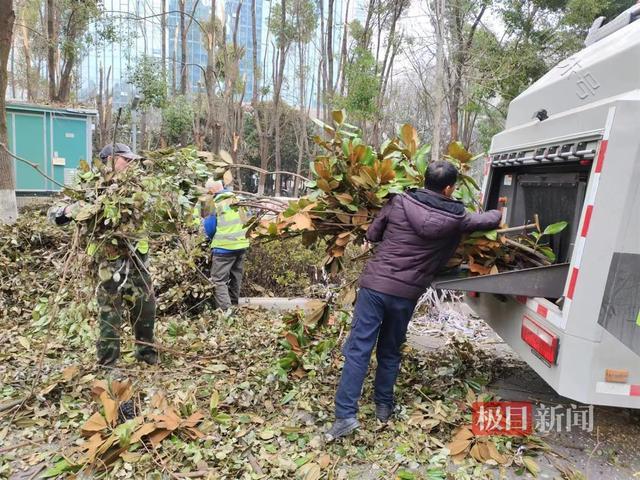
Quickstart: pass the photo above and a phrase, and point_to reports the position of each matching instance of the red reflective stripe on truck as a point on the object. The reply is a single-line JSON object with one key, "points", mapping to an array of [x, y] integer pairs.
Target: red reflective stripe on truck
{"points": [[635, 391], [572, 283], [587, 220], [601, 153], [542, 311]]}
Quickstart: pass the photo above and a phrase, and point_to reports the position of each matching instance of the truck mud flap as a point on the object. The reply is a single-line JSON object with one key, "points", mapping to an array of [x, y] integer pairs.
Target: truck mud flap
{"points": [[545, 282]]}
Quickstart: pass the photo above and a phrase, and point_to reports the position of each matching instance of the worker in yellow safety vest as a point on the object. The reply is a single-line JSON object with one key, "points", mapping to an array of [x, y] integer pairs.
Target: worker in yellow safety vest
{"points": [[224, 226]]}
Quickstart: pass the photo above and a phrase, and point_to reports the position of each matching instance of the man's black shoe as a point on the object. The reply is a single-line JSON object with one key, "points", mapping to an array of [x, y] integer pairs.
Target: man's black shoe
{"points": [[147, 357], [342, 427], [384, 412]]}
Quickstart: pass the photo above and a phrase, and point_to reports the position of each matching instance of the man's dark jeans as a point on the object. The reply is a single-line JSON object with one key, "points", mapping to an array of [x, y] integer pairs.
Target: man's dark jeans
{"points": [[380, 318]]}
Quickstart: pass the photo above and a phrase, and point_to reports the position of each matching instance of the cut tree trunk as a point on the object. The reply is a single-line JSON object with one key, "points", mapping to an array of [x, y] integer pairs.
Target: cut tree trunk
{"points": [[8, 206]]}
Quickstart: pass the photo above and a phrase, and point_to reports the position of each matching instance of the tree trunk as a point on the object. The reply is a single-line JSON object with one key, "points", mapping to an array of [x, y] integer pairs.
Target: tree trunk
{"points": [[183, 49], [439, 93], [262, 140], [302, 152], [8, 206], [276, 99], [163, 29], [51, 48], [330, 7], [26, 51]]}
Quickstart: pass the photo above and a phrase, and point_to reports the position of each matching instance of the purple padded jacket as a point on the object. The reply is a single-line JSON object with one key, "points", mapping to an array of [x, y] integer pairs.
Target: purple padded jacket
{"points": [[418, 232]]}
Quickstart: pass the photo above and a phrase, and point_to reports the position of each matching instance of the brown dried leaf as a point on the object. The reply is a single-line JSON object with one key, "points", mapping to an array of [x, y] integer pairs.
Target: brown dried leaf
{"points": [[302, 221], [143, 430], [170, 420], [293, 341], [70, 372], [98, 387], [458, 446], [158, 436], [96, 423], [122, 391], [110, 408], [495, 454]]}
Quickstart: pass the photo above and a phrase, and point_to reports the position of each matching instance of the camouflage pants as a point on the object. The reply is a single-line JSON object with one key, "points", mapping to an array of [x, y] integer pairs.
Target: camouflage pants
{"points": [[132, 295]]}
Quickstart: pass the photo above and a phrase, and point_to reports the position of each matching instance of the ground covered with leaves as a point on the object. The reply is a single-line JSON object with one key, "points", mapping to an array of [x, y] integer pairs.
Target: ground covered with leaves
{"points": [[242, 397]]}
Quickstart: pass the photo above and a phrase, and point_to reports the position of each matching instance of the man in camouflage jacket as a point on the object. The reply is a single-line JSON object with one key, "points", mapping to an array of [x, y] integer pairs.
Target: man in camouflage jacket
{"points": [[127, 288]]}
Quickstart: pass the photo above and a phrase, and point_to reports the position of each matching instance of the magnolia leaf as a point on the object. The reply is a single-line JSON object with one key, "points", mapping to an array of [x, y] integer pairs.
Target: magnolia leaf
{"points": [[222, 418], [142, 431], [96, 423], [267, 434], [70, 372], [547, 252], [309, 471], [61, 467], [555, 228], [227, 178], [314, 310], [495, 454], [170, 420], [122, 391], [409, 137], [226, 158], [158, 436], [110, 408], [291, 338], [531, 465], [458, 446], [456, 150], [213, 402], [24, 342]]}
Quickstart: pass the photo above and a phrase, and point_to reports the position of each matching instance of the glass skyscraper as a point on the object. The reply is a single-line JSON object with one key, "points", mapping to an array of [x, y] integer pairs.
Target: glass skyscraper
{"points": [[139, 32]]}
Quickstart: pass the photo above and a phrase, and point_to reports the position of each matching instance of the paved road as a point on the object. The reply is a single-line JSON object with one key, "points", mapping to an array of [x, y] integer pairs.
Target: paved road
{"points": [[610, 452]]}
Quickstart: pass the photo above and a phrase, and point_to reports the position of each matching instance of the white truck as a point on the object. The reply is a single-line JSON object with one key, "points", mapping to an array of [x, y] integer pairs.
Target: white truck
{"points": [[571, 151]]}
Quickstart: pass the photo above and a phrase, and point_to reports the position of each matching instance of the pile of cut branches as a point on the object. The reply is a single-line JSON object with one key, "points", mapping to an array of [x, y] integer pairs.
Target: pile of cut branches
{"points": [[352, 181]]}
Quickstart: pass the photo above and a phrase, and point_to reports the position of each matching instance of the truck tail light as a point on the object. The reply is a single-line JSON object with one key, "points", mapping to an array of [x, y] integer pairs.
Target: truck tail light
{"points": [[540, 340]]}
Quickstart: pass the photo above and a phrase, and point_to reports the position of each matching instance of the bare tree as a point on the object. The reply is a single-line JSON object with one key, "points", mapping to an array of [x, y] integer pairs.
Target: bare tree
{"points": [[263, 146], [282, 55], [51, 47], [8, 206], [439, 90]]}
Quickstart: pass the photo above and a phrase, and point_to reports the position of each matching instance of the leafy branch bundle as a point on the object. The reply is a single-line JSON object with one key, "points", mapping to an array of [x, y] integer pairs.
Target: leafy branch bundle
{"points": [[117, 213], [352, 181]]}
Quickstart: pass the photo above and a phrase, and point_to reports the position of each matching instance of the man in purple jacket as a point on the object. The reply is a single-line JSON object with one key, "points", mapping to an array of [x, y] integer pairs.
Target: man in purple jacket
{"points": [[418, 232]]}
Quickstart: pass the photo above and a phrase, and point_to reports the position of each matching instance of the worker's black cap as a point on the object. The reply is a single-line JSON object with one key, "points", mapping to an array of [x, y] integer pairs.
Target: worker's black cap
{"points": [[120, 149]]}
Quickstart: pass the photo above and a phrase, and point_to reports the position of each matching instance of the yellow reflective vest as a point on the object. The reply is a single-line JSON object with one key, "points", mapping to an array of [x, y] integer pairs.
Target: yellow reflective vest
{"points": [[230, 231]]}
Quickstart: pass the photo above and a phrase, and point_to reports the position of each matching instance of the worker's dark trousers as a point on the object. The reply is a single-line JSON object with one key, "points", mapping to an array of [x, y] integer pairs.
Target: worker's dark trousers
{"points": [[382, 319]]}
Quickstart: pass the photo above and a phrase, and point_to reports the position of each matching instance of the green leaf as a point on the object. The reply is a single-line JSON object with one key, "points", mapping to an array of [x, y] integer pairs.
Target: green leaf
{"points": [[289, 396], [143, 246], [213, 403], [547, 252], [536, 235], [338, 116], [531, 465], [58, 469], [222, 418], [490, 234], [405, 475], [555, 228], [91, 249]]}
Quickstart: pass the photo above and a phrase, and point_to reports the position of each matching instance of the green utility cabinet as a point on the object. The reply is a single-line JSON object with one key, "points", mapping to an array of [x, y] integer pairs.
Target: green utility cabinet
{"points": [[55, 139]]}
